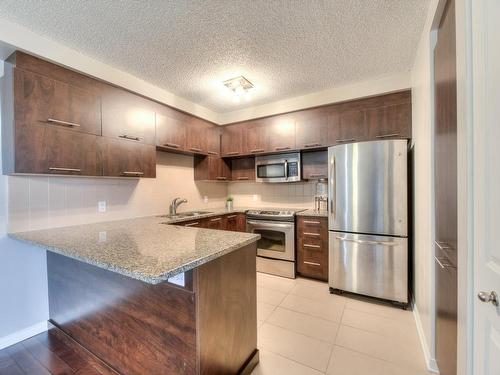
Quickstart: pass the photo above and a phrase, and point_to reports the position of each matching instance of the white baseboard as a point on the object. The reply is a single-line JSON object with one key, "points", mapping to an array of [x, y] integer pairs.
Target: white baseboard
{"points": [[429, 361], [23, 334]]}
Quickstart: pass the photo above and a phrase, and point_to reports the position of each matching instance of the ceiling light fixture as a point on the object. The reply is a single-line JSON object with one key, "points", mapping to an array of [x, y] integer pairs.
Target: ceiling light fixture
{"points": [[240, 87]]}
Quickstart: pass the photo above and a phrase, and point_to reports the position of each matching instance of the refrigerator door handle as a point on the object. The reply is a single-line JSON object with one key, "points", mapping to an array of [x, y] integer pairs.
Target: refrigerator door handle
{"points": [[333, 182], [365, 242]]}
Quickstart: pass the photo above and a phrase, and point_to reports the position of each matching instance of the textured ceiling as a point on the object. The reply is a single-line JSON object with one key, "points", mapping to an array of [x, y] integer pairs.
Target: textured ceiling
{"points": [[188, 47]]}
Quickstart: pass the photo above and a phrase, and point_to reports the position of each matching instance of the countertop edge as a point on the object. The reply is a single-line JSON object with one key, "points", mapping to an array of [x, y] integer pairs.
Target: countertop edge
{"points": [[150, 280]]}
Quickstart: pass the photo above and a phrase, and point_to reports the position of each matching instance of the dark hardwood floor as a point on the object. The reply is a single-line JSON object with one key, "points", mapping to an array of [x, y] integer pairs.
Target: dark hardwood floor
{"points": [[51, 352]]}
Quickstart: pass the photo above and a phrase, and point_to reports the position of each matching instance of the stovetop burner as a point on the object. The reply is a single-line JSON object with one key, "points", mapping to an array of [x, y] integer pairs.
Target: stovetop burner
{"points": [[277, 214]]}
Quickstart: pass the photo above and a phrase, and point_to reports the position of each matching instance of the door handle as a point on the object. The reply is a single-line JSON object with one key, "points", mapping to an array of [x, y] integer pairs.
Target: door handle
{"points": [[366, 242], [333, 181], [488, 297], [63, 123]]}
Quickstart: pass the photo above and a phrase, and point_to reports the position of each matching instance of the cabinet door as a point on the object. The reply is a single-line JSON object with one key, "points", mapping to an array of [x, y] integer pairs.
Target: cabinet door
{"points": [[312, 128], [255, 138], [211, 168], [232, 140], [243, 169], [122, 158], [128, 116], [41, 100], [215, 223], [48, 150], [347, 126], [242, 223], [213, 140], [196, 141], [392, 121], [315, 165], [281, 132], [170, 132], [231, 222]]}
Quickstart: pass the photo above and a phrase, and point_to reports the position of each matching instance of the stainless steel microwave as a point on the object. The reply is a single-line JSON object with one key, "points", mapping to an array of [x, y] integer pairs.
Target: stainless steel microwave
{"points": [[278, 168]]}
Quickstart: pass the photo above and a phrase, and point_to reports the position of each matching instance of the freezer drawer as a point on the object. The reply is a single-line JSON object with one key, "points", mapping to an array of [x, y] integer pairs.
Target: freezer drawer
{"points": [[375, 266]]}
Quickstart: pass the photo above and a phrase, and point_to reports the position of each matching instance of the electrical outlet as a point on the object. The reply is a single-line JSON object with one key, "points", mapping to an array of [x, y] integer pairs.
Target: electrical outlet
{"points": [[255, 197], [103, 236], [101, 206], [205, 199]]}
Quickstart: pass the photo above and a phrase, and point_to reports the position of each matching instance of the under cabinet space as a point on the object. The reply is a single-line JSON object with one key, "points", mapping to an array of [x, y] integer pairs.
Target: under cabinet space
{"points": [[42, 100], [123, 158], [243, 169], [128, 116], [314, 165]]}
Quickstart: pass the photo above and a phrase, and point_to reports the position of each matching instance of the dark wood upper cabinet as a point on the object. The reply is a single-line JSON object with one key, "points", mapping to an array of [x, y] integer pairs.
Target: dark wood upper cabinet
{"points": [[232, 140], [347, 126], [213, 133], [125, 158], [281, 133], [311, 128], [390, 121], [45, 149], [243, 169], [211, 168], [42, 100], [314, 165], [255, 138], [196, 133], [128, 116], [170, 132]]}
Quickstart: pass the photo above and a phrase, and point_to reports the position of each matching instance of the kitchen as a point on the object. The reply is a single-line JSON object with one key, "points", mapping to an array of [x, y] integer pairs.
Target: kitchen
{"points": [[162, 221]]}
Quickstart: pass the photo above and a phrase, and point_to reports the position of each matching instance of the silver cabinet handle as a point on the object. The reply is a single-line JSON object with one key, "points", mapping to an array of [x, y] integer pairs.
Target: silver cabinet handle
{"points": [[130, 137], [216, 219], [311, 222], [173, 145], [366, 242], [488, 297], [191, 224], [313, 246], [312, 263], [231, 216], [282, 148], [312, 145], [442, 245], [64, 123], [61, 169], [346, 140], [387, 135], [443, 263], [257, 150], [311, 234], [196, 149], [132, 173]]}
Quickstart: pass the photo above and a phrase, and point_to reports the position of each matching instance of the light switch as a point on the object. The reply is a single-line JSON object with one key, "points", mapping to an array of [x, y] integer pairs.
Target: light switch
{"points": [[101, 206]]}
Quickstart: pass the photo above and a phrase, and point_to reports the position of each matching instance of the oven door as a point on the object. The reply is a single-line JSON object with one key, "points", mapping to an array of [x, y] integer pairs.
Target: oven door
{"points": [[277, 239]]}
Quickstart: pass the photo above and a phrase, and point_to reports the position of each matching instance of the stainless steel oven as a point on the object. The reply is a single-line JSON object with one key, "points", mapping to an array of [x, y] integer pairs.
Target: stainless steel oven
{"points": [[276, 247], [278, 168]]}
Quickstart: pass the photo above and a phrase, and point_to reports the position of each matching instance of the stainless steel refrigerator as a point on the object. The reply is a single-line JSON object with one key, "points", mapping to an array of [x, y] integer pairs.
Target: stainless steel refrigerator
{"points": [[368, 219]]}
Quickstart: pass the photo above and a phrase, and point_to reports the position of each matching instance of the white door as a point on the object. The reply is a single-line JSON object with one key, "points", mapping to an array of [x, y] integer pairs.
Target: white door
{"points": [[486, 184]]}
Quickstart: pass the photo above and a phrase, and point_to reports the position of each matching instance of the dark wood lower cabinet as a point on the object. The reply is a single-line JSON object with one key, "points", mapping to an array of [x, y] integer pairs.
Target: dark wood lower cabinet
{"points": [[236, 222], [208, 327], [312, 247], [123, 158]]}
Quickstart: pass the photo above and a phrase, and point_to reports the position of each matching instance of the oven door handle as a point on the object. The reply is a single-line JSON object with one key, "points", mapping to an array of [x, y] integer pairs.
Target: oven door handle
{"points": [[269, 224], [286, 169]]}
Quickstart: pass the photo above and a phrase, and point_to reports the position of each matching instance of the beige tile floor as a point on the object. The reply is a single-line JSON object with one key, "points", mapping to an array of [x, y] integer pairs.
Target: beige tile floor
{"points": [[304, 330]]}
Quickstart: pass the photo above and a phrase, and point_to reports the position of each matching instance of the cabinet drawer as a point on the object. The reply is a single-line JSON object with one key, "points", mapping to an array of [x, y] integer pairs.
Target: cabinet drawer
{"points": [[312, 225], [315, 270], [312, 243]]}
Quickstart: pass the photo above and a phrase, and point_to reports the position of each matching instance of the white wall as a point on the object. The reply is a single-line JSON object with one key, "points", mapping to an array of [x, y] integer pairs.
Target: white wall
{"points": [[423, 189]]}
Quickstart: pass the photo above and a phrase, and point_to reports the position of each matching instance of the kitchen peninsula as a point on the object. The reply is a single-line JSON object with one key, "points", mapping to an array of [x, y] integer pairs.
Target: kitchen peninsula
{"points": [[151, 298]]}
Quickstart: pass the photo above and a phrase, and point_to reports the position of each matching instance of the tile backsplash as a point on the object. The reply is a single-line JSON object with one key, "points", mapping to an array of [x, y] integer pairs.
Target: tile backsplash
{"points": [[255, 194], [37, 202]]}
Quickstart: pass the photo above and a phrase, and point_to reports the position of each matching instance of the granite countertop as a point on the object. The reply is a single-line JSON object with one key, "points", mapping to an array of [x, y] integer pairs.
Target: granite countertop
{"points": [[313, 213], [141, 248]]}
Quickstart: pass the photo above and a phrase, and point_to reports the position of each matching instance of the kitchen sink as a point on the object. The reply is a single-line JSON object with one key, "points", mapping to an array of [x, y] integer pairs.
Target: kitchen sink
{"points": [[186, 214]]}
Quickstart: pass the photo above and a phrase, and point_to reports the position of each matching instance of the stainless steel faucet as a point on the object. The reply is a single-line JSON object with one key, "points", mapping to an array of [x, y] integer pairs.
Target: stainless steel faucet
{"points": [[176, 203]]}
